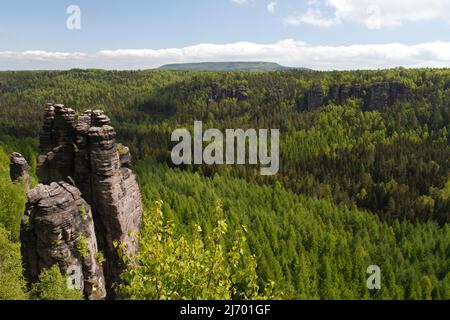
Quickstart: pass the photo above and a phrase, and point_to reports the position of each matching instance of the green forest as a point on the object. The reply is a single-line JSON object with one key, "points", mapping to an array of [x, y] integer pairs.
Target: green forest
{"points": [[364, 180]]}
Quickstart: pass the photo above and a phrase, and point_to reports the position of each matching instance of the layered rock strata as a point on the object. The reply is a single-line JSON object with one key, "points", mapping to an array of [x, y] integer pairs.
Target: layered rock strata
{"points": [[81, 152], [376, 96], [58, 228]]}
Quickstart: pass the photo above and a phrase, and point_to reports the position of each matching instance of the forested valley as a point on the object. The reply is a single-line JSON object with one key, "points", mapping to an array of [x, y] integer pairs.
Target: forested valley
{"points": [[364, 179]]}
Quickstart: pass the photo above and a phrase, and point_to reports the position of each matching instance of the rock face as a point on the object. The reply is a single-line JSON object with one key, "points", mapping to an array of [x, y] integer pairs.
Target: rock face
{"points": [[114, 193], [218, 93], [383, 94], [56, 149], [314, 97], [83, 149], [58, 228], [341, 93], [377, 96], [19, 169]]}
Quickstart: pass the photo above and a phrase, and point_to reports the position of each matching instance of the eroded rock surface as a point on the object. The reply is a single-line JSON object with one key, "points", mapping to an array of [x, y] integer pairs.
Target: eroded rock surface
{"points": [[314, 97], [82, 150], [56, 149], [376, 96], [219, 93], [19, 169], [114, 193], [58, 228], [384, 94]]}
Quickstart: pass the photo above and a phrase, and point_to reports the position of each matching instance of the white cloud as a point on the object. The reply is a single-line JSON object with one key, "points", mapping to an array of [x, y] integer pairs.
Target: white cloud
{"points": [[374, 14], [313, 17], [42, 55], [287, 52], [241, 1], [271, 7]]}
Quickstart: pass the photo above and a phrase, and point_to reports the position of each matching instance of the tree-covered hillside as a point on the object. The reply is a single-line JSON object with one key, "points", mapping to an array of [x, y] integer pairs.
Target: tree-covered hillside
{"points": [[225, 66], [364, 174], [311, 249], [377, 140]]}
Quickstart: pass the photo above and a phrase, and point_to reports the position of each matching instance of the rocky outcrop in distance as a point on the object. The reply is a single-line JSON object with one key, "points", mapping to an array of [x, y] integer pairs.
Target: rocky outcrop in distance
{"points": [[314, 97], [219, 93], [83, 173], [384, 94], [376, 96]]}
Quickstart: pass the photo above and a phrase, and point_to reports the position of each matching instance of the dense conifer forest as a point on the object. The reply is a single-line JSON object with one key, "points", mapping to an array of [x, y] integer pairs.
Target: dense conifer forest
{"points": [[364, 180]]}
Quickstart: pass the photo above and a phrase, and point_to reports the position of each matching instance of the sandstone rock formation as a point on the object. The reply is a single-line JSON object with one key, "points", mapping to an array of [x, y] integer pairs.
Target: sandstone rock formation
{"points": [[82, 150], [56, 149], [384, 94], [377, 96], [314, 97], [113, 192], [58, 228], [341, 93], [19, 169], [218, 93]]}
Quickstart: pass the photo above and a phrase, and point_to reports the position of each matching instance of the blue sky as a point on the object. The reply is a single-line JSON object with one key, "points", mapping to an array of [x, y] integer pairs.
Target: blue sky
{"points": [[134, 34]]}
